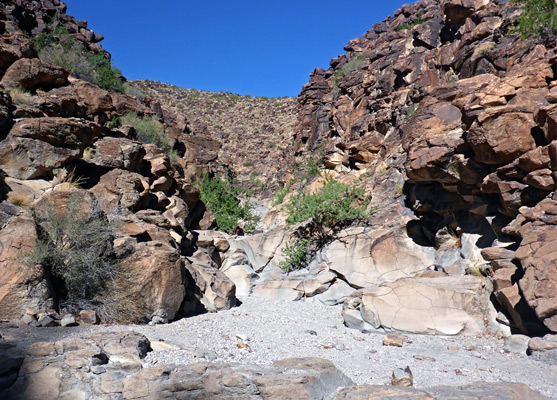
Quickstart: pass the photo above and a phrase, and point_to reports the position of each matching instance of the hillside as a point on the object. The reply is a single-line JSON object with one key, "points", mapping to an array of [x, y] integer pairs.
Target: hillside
{"points": [[407, 201], [255, 132]]}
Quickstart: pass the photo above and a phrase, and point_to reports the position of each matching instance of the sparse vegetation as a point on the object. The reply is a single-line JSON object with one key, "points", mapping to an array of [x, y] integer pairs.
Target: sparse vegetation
{"points": [[150, 130], [56, 46], [75, 247], [19, 199], [223, 199], [331, 208], [418, 21], [538, 18], [281, 193], [333, 205], [20, 96], [350, 66], [295, 255]]}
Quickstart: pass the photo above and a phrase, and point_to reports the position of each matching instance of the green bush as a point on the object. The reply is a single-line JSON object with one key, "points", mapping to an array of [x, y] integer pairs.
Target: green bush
{"points": [[56, 46], [223, 199], [295, 254], [418, 21], [76, 248], [350, 66], [150, 130], [333, 205], [538, 18], [281, 193]]}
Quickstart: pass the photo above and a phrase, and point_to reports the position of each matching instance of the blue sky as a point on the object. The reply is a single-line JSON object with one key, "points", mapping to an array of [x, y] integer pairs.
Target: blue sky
{"points": [[252, 47]]}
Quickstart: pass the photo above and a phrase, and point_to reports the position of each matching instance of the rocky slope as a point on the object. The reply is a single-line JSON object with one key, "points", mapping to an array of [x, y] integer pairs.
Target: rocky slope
{"points": [[441, 113], [447, 97], [255, 132]]}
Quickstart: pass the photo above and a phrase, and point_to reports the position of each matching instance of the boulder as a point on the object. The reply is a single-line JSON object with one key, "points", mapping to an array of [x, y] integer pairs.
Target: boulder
{"points": [[216, 291], [32, 73], [500, 138], [22, 287], [14, 46], [447, 305], [119, 153], [36, 146], [79, 99], [158, 274], [120, 189], [367, 257]]}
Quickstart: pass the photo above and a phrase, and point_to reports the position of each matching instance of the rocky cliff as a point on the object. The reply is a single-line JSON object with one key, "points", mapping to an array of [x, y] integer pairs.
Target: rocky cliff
{"points": [[63, 152], [446, 94]]}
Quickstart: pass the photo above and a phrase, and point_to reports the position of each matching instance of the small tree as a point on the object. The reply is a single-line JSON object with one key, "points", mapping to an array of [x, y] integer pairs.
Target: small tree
{"points": [[539, 18]]}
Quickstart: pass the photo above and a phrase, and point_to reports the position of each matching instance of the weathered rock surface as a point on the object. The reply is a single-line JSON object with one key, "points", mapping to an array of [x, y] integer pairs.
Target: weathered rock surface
{"points": [[36, 146], [109, 365], [503, 391], [33, 73], [22, 286], [446, 305]]}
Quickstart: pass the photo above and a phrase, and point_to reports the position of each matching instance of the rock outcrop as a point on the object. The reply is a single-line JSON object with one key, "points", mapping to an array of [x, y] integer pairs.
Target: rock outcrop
{"points": [[446, 94], [110, 365], [56, 144]]}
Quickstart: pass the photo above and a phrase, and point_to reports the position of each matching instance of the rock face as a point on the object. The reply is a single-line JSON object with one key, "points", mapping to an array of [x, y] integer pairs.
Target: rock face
{"points": [[445, 305], [109, 365], [22, 286], [59, 133], [447, 95], [31, 74]]}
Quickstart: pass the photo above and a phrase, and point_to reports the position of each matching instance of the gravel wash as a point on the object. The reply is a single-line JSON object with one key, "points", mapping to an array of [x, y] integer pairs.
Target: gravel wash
{"points": [[261, 331]]}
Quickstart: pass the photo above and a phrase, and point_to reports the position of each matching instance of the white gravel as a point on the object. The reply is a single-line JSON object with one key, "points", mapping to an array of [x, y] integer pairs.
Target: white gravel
{"points": [[263, 330]]}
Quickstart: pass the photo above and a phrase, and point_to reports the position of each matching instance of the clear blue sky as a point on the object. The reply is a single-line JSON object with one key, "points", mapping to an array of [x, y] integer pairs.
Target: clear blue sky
{"points": [[251, 47]]}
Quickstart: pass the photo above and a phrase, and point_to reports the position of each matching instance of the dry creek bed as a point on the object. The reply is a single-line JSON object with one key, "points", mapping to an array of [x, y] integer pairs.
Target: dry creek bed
{"points": [[261, 331]]}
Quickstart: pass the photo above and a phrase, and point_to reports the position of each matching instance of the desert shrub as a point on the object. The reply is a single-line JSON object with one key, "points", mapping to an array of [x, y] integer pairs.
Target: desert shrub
{"points": [[418, 21], [223, 199], [149, 130], [75, 247], [56, 46], [295, 254], [280, 194], [333, 205], [133, 91], [19, 199], [20, 96], [350, 66], [538, 18]]}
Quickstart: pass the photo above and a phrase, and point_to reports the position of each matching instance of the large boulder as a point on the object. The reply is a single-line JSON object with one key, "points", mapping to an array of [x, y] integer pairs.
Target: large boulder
{"points": [[80, 99], [120, 189], [33, 73], [119, 153], [36, 146], [158, 274], [445, 305], [14, 46], [366, 257], [215, 291], [22, 287]]}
